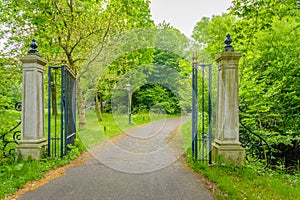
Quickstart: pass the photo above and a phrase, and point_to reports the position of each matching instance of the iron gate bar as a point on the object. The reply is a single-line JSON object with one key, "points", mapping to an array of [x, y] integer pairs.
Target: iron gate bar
{"points": [[62, 128], [58, 145], [203, 106], [49, 124], [210, 136], [197, 112], [195, 107], [70, 122], [210, 113], [51, 139]]}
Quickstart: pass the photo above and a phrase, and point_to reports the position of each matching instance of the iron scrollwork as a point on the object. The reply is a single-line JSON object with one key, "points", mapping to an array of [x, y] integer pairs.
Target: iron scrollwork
{"points": [[12, 137], [256, 147]]}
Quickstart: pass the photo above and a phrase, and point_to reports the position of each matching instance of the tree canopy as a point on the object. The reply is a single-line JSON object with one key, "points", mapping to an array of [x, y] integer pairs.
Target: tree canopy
{"points": [[267, 33], [89, 36]]}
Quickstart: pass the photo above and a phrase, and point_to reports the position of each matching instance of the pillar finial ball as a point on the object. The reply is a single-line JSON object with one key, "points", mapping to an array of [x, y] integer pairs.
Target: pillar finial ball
{"points": [[228, 41], [34, 47]]}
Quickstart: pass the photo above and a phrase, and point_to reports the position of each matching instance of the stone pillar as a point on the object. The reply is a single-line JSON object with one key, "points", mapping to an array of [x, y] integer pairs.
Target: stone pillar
{"points": [[33, 141], [226, 147]]}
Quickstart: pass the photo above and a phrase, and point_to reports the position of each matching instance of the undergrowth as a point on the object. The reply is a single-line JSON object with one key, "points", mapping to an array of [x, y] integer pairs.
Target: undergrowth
{"points": [[249, 181], [15, 173]]}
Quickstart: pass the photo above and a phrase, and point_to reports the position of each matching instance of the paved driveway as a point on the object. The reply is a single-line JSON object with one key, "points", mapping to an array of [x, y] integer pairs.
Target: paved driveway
{"points": [[146, 163]]}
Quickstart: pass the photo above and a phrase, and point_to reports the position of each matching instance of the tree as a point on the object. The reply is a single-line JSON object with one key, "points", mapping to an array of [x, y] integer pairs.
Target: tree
{"points": [[172, 56], [10, 94], [210, 34], [123, 51], [269, 81], [258, 15], [147, 97], [269, 78], [69, 30]]}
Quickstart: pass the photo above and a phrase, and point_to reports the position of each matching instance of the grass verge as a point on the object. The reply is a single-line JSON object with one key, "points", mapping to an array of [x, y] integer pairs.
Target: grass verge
{"points": [[14, 174], [112, 125], [249, 182], [244, 182]]}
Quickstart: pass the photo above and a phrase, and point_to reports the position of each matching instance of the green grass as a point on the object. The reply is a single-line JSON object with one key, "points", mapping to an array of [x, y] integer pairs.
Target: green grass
{"points": [[14, 174], [186, 131], [250, 182], [112, 125], [245, 182]]}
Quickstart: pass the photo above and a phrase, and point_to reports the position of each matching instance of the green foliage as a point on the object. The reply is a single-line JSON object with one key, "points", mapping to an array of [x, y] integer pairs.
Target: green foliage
{"points": [[141, 66], [14, 174], [258, 15], [67, 31], [148, 96], [210, 34], [76, 149], [10, 94], [269, 75], [274, 66], [93, 133], [249, 182], [10, 84], [269, 68], [171, 47]]}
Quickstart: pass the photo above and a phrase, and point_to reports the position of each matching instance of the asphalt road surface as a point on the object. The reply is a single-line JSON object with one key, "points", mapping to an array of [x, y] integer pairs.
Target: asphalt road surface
{"points": [[145, 163]]}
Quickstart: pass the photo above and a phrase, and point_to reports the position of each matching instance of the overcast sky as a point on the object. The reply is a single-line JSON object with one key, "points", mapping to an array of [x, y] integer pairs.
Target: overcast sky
{"points": [[184, 14]]}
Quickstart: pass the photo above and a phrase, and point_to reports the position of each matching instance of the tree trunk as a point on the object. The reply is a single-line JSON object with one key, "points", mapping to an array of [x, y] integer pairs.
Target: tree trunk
{"points": [[80, 105], [97, 107], [101, 104], [53, 95]]}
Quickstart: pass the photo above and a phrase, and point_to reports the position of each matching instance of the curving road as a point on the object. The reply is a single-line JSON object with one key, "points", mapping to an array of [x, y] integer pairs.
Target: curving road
{"points": [[142, 164]]}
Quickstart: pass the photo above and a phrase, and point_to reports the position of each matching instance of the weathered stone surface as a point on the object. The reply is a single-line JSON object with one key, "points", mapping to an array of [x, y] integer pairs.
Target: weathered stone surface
{"points": [[227, 145], [34, 150], [32, 133], [228, 152]]}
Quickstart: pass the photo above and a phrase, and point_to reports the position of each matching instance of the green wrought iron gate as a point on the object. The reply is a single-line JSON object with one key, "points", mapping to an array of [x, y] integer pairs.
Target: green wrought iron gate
{"points": [[202, 139], [61, 110]]}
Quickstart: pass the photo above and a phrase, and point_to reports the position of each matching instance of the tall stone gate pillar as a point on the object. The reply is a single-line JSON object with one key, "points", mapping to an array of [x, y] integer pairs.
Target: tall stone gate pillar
{"points": [[33, 139], [226, 147]]}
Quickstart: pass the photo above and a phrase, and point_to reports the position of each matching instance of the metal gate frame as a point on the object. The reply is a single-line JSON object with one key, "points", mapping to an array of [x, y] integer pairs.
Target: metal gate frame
{"points": [[204, 153], [62, 127]]}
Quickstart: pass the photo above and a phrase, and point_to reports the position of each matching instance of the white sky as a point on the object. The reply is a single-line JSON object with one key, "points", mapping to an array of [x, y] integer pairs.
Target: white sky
{"points": [[184, 14]]}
